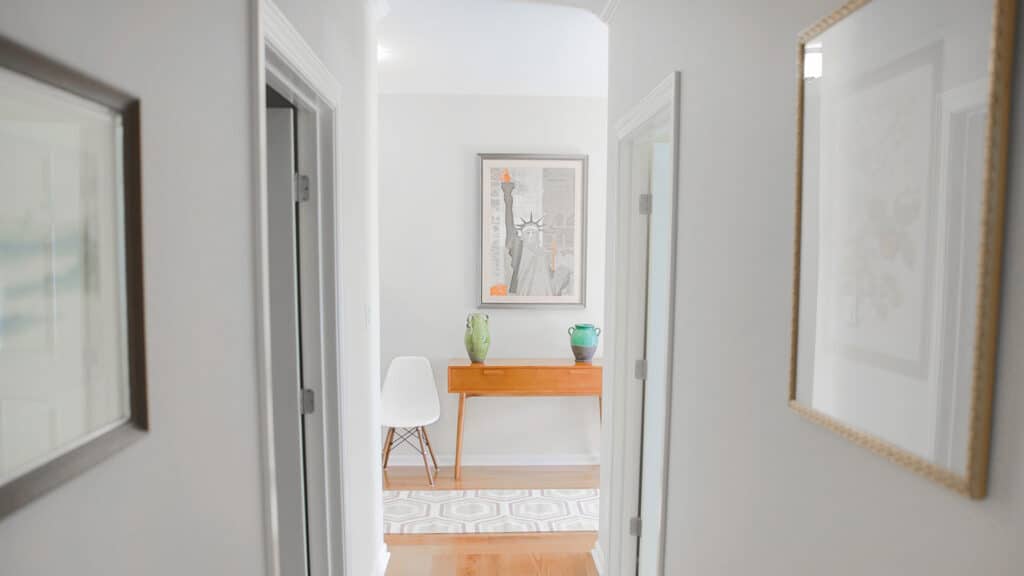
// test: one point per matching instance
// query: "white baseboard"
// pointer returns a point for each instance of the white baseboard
(383, 557)
(413, 459)
(598, 557)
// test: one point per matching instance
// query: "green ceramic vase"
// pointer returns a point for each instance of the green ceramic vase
(583, 338)
(478, 337)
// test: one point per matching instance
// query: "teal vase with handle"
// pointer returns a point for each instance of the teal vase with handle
(478, 337)
(584, 338)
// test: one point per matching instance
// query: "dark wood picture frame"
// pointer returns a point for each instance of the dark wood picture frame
(36, 482)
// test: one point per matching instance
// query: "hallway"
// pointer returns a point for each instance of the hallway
(743, 280)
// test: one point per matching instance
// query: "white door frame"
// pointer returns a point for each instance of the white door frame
(285, 61)
(624, 429)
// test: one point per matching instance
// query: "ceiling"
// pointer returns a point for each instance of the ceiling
(494, 47)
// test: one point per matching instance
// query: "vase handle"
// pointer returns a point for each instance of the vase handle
(597, 331)
(571, 330)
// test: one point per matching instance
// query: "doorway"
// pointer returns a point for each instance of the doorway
(641, 311)
(294, 316)
(299, 327)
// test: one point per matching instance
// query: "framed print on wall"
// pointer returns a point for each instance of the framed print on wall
(533, 230)
(72, 356)
(903, 122)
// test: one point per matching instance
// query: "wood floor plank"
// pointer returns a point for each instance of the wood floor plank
(495, 543)
(410, 562)
(493, 477)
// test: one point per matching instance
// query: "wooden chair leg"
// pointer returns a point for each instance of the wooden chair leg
(429, 447)
(387, 446)
(423, 452)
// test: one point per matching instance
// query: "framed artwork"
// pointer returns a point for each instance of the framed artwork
(903, 119)
(533, 230)
(72, 353)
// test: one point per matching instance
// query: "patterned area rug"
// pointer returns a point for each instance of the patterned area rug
(488, 511)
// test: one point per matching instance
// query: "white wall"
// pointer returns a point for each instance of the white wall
(430, 250)
(753, 488)
(187, 498)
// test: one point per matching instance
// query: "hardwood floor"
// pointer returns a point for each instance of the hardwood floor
(493, 477)
(559, 554)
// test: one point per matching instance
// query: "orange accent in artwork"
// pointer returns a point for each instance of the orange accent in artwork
(505, 176)
(499, 290)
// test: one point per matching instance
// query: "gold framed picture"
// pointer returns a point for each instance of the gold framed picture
(903, 121)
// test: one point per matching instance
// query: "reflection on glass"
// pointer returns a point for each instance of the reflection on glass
(893, 151)
(63, 357)
(813, 61)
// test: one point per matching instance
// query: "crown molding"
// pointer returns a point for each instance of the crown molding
(280, 35)
(609, 10)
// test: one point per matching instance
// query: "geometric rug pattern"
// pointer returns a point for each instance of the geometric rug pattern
(489, 511)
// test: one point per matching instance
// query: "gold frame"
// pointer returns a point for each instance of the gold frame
(974, 484)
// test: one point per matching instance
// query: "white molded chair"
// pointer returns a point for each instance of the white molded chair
(409, 403)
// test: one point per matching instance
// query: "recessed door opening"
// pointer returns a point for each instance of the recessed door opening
(644, 322)
(493, 225)
(300, 328)
(284, 227)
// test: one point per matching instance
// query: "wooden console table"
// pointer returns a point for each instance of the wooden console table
(549, 377)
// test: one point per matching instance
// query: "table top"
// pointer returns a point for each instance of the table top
(521, 362)
(525, 377)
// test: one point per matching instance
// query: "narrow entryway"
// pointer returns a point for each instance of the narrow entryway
(284, 247)
(492, 156)
(299, 332)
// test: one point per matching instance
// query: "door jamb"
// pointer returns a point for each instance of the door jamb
(622, 434)
(282, 57)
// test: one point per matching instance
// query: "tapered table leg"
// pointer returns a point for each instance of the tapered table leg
(458, 437)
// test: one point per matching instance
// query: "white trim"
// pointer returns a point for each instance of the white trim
(383, 557)
(608, 12)
(262, 301)
(315, 121)
(597, 555)
(413, 459)
(660, 97)
(622, 434)
(286, 41)
(282, 57)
